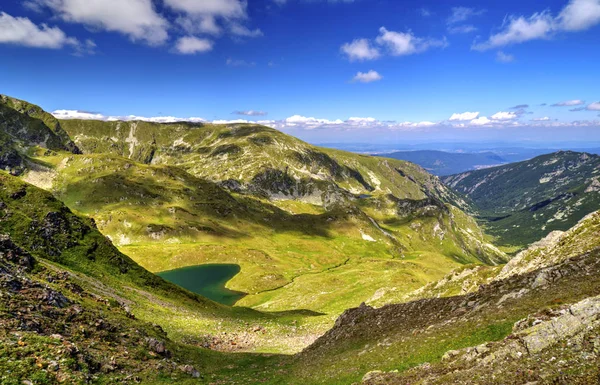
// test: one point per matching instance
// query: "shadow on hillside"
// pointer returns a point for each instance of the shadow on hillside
(190, 203)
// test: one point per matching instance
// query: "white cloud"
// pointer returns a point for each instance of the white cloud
(580, 15)
(367, 77)
(235, 121)
(405, 43)
(504, 116)
(520, 29)
(207, 16)
(190, 45)
(569, 103)
(222, 8)
(465, 116)
(360, 49)
(481, 121)
(75, 114)
(134, 18)
(504, 57)
(199, 25)
(594, 107)
(577, 15)
(364, 122)
(544, 119)
(241, 30)
(460, 14)
(22, 31)
(312, 122)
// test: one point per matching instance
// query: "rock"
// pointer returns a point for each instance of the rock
(372, 375)
(157, 346)
(19, 194)
(53, 366)
(54, 298)
(189, 369)
(12, 253)
(450, 355)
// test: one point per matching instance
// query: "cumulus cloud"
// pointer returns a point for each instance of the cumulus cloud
(518, 30)
(481, 121)
(577, 15)
(520, 107)
(303, 120)
(498, 121)
(83, 115)
(209, 16)
(136, 19)
(190, 45)
(367, 77)
(250, 113)
(241, 30)
(222, 8)
(406, 43)
(465, 116)
(22, 31)
(360, 49)
(594, 106)
(394, 43)
(76, 114)
(569, 103)
(504, 116)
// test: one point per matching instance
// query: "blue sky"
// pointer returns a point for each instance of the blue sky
(323, 70)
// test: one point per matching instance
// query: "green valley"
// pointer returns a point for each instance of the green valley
(522, 202)
(340, 267)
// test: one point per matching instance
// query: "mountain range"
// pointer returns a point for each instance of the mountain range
(353, 268)
(523, 202)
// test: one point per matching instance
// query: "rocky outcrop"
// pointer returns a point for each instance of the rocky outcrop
(390, 328)
(539, 350)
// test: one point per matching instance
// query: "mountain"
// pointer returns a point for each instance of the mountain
(75, 309)
(23, 127)
(311, 228)
(447, 163)
(315, 232)
(523, 202)
(524, 323)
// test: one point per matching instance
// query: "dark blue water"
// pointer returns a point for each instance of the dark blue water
(207, 280)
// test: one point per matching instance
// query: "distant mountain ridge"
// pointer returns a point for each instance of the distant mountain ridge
(446, 163)
(522, 202)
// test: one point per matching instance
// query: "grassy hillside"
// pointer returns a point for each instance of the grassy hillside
(311, 228)
(165, 218)
(523, 202)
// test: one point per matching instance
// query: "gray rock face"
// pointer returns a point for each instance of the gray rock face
(573, 320)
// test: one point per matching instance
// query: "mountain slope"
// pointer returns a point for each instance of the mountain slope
(525, 201)
(506, 330)
(295, 217)
(74, 309)
(25, 128)
(447, 163)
